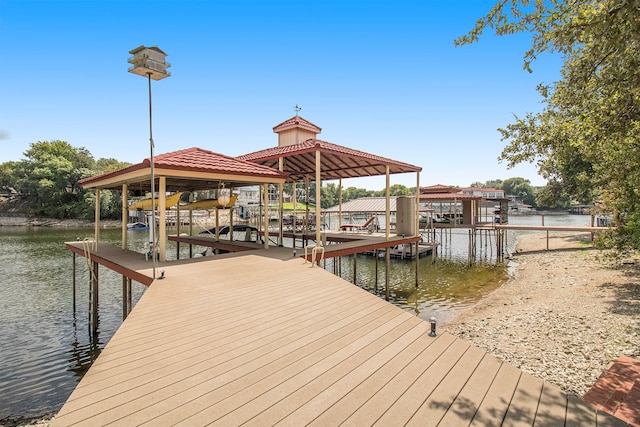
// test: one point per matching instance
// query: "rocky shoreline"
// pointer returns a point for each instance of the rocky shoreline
(565, 316)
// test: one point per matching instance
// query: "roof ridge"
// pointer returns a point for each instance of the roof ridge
(300, 122)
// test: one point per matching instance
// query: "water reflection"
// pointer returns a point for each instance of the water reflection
(444, 288)
(46, 346)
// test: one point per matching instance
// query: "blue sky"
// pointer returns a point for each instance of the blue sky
(378, 76)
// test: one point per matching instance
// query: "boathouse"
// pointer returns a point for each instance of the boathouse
(261, 337)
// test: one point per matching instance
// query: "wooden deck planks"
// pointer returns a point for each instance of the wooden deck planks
(436, 406)
(227, 345)
(263, 338)
(465, 405)
(313, 397)
(395, 394)
(524, 404)
(338, 391)
(552, 406)
(496, 402)
(579, 413)
(128, 402)
(352, 400)
(218, 402)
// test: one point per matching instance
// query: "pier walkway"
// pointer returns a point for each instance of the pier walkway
(261, 338)
(335, 244)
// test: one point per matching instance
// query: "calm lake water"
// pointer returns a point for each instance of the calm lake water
(46, 346)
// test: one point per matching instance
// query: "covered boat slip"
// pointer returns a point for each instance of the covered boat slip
(262, 338)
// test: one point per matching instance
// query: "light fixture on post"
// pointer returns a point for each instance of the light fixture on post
(223, 195)
(150, 62)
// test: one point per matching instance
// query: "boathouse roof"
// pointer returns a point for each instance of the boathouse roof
(438, 188)
(188, 170)
(336, 161)
(368, 204)
(444, 193)
(443, 197)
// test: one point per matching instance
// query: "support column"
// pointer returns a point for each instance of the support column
(318, 185)
(387, 210)
(162, 207)
(190, 232)
(96, 231)
(375, 285)
(387, 259)
(306, 213)
(125, 215)
(294, 223)
(340, 204)
(74, 284)
(217, 211)
(178, 221)
(417, 263)
(418, 229)
(124, 297)
(266, 215)
(280, 204)
(355, 269)
(93, 298)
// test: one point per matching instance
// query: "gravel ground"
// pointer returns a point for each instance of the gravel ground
(564, 316)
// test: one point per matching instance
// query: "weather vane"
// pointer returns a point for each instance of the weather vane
(297, 109)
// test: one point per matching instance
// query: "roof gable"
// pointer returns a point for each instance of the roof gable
(297, 121)
(336, 161)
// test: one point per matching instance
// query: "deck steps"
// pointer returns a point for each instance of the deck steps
(617, 391)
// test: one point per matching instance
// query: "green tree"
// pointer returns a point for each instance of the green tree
(493, 183)
(351, 193)
(9, 175)
(108, 165)
(520, 187)
(328, 195)
(399, 190)
(395, 190)
(586, 140)
(47, 178)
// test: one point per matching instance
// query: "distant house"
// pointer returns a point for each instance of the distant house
(485, 193)
(467, 206)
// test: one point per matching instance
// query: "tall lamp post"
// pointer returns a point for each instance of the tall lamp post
(150, 62)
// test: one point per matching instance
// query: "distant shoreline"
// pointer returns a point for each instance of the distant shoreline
(24, 221)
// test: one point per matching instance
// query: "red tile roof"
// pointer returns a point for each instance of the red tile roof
(205, 160)
(189, 160)
(297, 121)
(336, 161)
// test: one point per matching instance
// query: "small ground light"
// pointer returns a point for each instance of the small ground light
(294, 253)
(432, 332)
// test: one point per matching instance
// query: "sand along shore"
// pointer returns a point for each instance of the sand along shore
(565, 314)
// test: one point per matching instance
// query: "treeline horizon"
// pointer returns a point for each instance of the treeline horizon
(46, 180)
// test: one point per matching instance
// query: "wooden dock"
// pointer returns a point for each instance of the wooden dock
(335, 245)
(261, 338)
